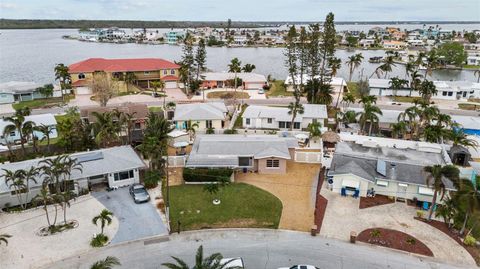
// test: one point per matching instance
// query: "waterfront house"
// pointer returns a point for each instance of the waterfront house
(146, 70)
(367, 43)
(250, 81)
(389, 167)
(338, 84)
(278, 118)
(114, 167)
(172, 37)
(265, 154)
(40, 119)
(473, 60)
(16, 91)
(205, 115)
(394, 45)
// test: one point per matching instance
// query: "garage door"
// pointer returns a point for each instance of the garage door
(351, 183)
(171, 85)
(83, 90)
(254, 86)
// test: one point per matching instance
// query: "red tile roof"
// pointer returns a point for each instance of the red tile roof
(121, 65)
(170, 78)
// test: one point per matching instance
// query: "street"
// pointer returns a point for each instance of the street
(266, 249)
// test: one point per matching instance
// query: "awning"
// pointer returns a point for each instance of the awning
(180, 144)
(352, 183)
(176, 133)
(425, 191)
(382, 183)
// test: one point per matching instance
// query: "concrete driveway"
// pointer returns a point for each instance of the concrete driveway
(136, 220)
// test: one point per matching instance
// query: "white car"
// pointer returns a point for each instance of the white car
(261, 91)
(233, 263)
(300, 266)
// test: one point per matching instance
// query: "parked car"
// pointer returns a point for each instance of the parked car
(300, 266)
(261, 91)
(139, 193)
(233, 263)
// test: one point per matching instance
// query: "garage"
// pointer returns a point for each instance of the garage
(351, 187)
(83, 90)
(254, 85)
(171, 85)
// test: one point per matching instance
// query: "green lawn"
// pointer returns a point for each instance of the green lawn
(39, 103)
(405, 99)
(155, 109)
(278, 89)
(467, 106)
(242, 206)
(353, 88)
(228, 95)
(239, 120)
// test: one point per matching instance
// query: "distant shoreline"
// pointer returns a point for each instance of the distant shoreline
(77, 24)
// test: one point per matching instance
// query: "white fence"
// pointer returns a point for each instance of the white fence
(177, 161)
(308, 157)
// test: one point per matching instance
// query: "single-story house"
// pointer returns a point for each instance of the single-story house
(116, 166)
(382, 87)
(358, 169)
(16, 91)
(338, 84)
(205, 115)
(269, 117)
(40, 119)
(250, 81)
(394, 45)
(265, 154)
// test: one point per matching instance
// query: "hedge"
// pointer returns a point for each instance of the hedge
(206, 174)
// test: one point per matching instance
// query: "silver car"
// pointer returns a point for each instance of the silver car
(139, 193)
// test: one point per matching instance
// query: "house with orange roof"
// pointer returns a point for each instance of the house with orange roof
(144, 71)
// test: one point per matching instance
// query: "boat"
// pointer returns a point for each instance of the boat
(376, 59)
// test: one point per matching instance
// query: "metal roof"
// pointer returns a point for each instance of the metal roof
(45, 119)
(18, 87)
(281, 113)
(200, 111)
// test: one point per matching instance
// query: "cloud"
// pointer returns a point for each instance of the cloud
(8, 6)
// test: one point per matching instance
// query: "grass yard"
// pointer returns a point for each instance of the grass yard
(228, 95)
(239, 120)
(405, 99)
(242, 206)
(278, 89)
(353, 88)
(155, 109)
(469, 106)
(40, 103)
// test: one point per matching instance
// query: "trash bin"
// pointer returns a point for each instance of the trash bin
(353, 237)
(313, 231)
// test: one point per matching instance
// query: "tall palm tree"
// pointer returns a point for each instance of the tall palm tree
(3, 238)
(372, 99)
(468, 199)
(397, 84)
(105, 128)
(432, 63)
(191, 129)
(248, 68)
(427, 89)
(458, 137)
(415, 81)
(62, 74)
(324, 94)
(129, 79)
(30, 174)
(314, 130)
(235, 66)
(398, 129)
(369, 114)
(17, 123)
(409, 68)
(334, 64)
(155, 140)
(108, 263)
(353, 63)
(294, 108)
(46, 131)
(435, 180)
(16, 180)
(211, 262)
(105, 218)
(159, 84)
(128, 119)
(348, 99)
(44, 198)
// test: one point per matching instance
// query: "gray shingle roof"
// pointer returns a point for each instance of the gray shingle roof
(223, 76)
(46, 119)
(18, 87)
(281, 113)
(200, 111)
(112, 160)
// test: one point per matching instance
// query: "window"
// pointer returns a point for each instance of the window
(425, 191)
(281, 125)
(172, 72)
(244, 161)
(208, 124)
(382, 183)
(116, 75)
(22, 190)
(296, 125)
(146, 73)
(273, 163)
(269, 120)
(450, 93)
(165, 71)
(444, 93)
(123, 175)
(247, 121)
(288, 124)
(137, 126)
(81, 76)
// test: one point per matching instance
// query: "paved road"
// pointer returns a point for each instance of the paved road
(260, 249)
(136, 220)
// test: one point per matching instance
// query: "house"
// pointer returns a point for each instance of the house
(205, 115)
(40, 119)
(115, 167)
(379, 31)
(138, 111)
(415, 42)
(265, 154)
(268, 117)
(173, 37)
(91, 35)
(367, 43)
(250, 81)
(114, 33)
(394, 45)
(390, 167)
(16, 91)
(473, 60)
(338, 84)
(146, 70)
(382, 87)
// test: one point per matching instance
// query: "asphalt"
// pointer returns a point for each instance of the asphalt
(260, 249)
(136, 221)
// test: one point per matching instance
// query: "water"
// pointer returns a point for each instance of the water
(31, 55)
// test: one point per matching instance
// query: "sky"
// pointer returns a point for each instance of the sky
(244, 10)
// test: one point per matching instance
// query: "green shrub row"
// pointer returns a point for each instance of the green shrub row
(206, 174)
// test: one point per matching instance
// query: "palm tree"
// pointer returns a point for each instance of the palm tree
(348, 99)
(354, 62)
(62, 74)
(415, 81)
(294, 108)
(46, 131)
(211, 262)
(435, 180)
(191, 128)
(314, 130)
(372, 99)
(129, 78)
(29, 174)
(248, 68)
(468, 200)
(155, 140)
(28, 130)
(409, 68)
(458, 137)
(108, 263)
(3, 238)
(235, 66)
(16, 180)
(369, 114)
(398, 129)
(397, 84)
(432, 63)
(106, 130)
(324, 95)
(44, 198)
(334, 64)
(105, 218)
(159, 84)
(427, 89)
(17, 123)
(128, 119)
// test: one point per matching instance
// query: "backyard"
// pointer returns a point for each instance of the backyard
(242, 206)
(227, 95)
(278, 89)
(41, 103)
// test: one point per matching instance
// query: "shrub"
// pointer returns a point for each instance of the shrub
(99, 241)
(230, 131)
(151, 179)
(210, 131)
(469, 240)
(375, 233)
(411, 241)
(161, 206)
(266, 87)
(206, 174)
(420, 214)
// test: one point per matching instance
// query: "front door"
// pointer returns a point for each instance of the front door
(402, 192)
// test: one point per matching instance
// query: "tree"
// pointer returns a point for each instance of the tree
(248, 68)
(44, 198)
(294, 108)
(352, 41)
(452, 53)
(159, 84)
(397, 84)
(103, 87)
(108, 263)
(458, 137)
(399, 129)
(105, 218)
(201, 57)
(62, 74)
(314, 130)
(191, 128)
(291, 63)
(211, 262)
(434, 180)
(29, 174)
(154, 146)
(46, 131)
(369, 114)
(17, 123)
(46, 90)
(353, 63)
(468, 200)
(15, 180)
(235, 66)
(106, 130)
(129, 79)
(3, 238)
(385, 67)
(426, 90)
(188, 60)
(348, 99)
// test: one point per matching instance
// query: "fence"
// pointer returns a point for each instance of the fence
(308, 157)
(177, 161)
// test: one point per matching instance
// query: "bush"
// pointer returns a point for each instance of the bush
(411, 241)
(151, 179)
(420, 214)
(206, 174)
(375, 233)
(266, 87)
(230, 131)
(469, 240)
(210, 131)
(99, 241)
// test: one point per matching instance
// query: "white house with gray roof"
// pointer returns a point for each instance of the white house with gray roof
(38, 120)
(250, 81)
(387, 168)
(269, 117)
(17, 91)
(265, 154)
(115, 167)
(205, 115)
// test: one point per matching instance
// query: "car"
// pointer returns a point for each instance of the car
(300, 266)
(261, 91)
(236, 263)
(139, 193)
